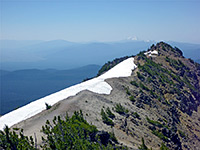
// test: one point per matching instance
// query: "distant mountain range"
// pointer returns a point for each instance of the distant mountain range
(149, 101)
(61, 54)
(23, 86)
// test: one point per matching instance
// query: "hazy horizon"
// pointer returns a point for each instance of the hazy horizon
(100, 21)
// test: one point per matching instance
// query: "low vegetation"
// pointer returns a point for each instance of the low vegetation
(106, 119)
(132, 99)
(134, 83)
(47, 106)
(141, 77)
(160, 135)
(155, 123)
(135, 115)
(15, 140)
(164, 147)
(128, 92)
(143, 146)
(69, 133)
(109, 113)
(72, 133)
(182, 134)
(143, 87)
(120, 109)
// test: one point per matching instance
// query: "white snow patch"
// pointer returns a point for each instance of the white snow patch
(97, 85)
(154, 52)
(151, 53)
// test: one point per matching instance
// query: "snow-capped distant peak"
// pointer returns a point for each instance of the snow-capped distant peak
(132, 38)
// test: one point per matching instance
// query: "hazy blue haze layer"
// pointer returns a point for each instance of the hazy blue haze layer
(23, 86)
(61, 54)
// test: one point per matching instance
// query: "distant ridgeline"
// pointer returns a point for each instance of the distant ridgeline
(158, 105)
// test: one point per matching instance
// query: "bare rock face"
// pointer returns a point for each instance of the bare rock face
(159, 102)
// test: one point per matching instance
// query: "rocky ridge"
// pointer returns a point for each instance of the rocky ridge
(159, 102)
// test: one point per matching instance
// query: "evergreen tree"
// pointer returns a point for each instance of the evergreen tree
(143, 146)
(11, 140)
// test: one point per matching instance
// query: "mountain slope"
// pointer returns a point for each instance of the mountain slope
(97, 85)
(158, 102)
(24, 86)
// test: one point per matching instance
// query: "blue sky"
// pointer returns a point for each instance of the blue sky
(101, 20)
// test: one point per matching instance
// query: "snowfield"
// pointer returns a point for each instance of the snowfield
(151, 53)
(97, 85)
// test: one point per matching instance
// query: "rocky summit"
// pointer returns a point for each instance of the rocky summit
(157, 107)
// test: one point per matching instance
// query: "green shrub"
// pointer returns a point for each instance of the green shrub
(68, 133)
(143, 146)
(109, 113)
(105, 118)
(120, 109)
(159, 98)
(112, 137)
(164, 147)
(13, 140)
(144, 87)
(134, 83)
(149, 79)
(132, 99)
(160, 135)
(177, 64)
(128, 92)
(182, 134)
(73, 133)
(152, 93)
(156, 123)
(141, 77)
(47, 106)
(136, 115)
